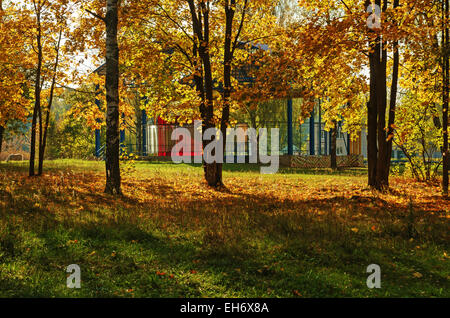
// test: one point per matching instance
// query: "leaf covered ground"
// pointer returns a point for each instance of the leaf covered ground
(299, 233)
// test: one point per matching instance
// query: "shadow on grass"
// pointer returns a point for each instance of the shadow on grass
(238, 245)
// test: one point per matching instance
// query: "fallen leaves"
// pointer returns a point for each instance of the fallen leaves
(417, 275)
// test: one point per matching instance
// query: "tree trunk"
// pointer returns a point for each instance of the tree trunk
(43, 140)
(227, 58)
(200, 23)
(37, 95)
(381, 99)
(2, 130)
(372, 149)
(445, 152)
(333, 143)
(379, 140)
(392, 106)
(385, 140)
(112, 100)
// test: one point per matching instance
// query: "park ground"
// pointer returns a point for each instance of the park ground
(298, 233)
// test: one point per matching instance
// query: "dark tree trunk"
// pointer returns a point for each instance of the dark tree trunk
(392, 106)
(380, 182)
(372, 114)
(200, 22)
(446, 66)
(112, 100)
(333, 143)
(227, 59)
(43, 140)
(379, 139)
(387, 140)
(2, 130)
(199, 86)
(37, 95)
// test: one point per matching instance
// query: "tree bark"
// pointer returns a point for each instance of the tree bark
(43, 140)
(333, 143)
(37, 93)
(392, 105)
(446, 66)
(200, 22)
(372, 114)
(380, 181)
(227, 59)
(386, 145)
(379, 140)
(112, 100)
(2, 130)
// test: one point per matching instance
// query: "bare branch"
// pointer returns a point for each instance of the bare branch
(95, 15)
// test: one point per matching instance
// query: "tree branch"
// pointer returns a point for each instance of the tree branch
(95, 15)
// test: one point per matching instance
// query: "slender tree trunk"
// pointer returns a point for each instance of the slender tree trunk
(392, 104)
(392, 107)
(112, 100)
(372, 114)
(333, 143)
(228, 56)
(381, 98)
(43, 140)
(212, 173)
(37, 95)
(2, 130)
(199, 86)
(200, 23)
(446, 75)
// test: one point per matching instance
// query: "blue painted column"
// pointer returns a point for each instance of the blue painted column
(97, 131)
(144, 133)
(325, 137)
(289, 128)
(320, 129)
(122, 136)
(97, 143)
(311, 134)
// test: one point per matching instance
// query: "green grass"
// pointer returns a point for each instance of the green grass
(299, 233)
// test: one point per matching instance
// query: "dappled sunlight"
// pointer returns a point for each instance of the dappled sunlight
(280, 235)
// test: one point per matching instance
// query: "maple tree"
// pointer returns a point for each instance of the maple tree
(46, 23)
(423, 78)
(13, 65)
(186, 64)
(339, 39)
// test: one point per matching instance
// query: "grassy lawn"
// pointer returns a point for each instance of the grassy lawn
(294, 234)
